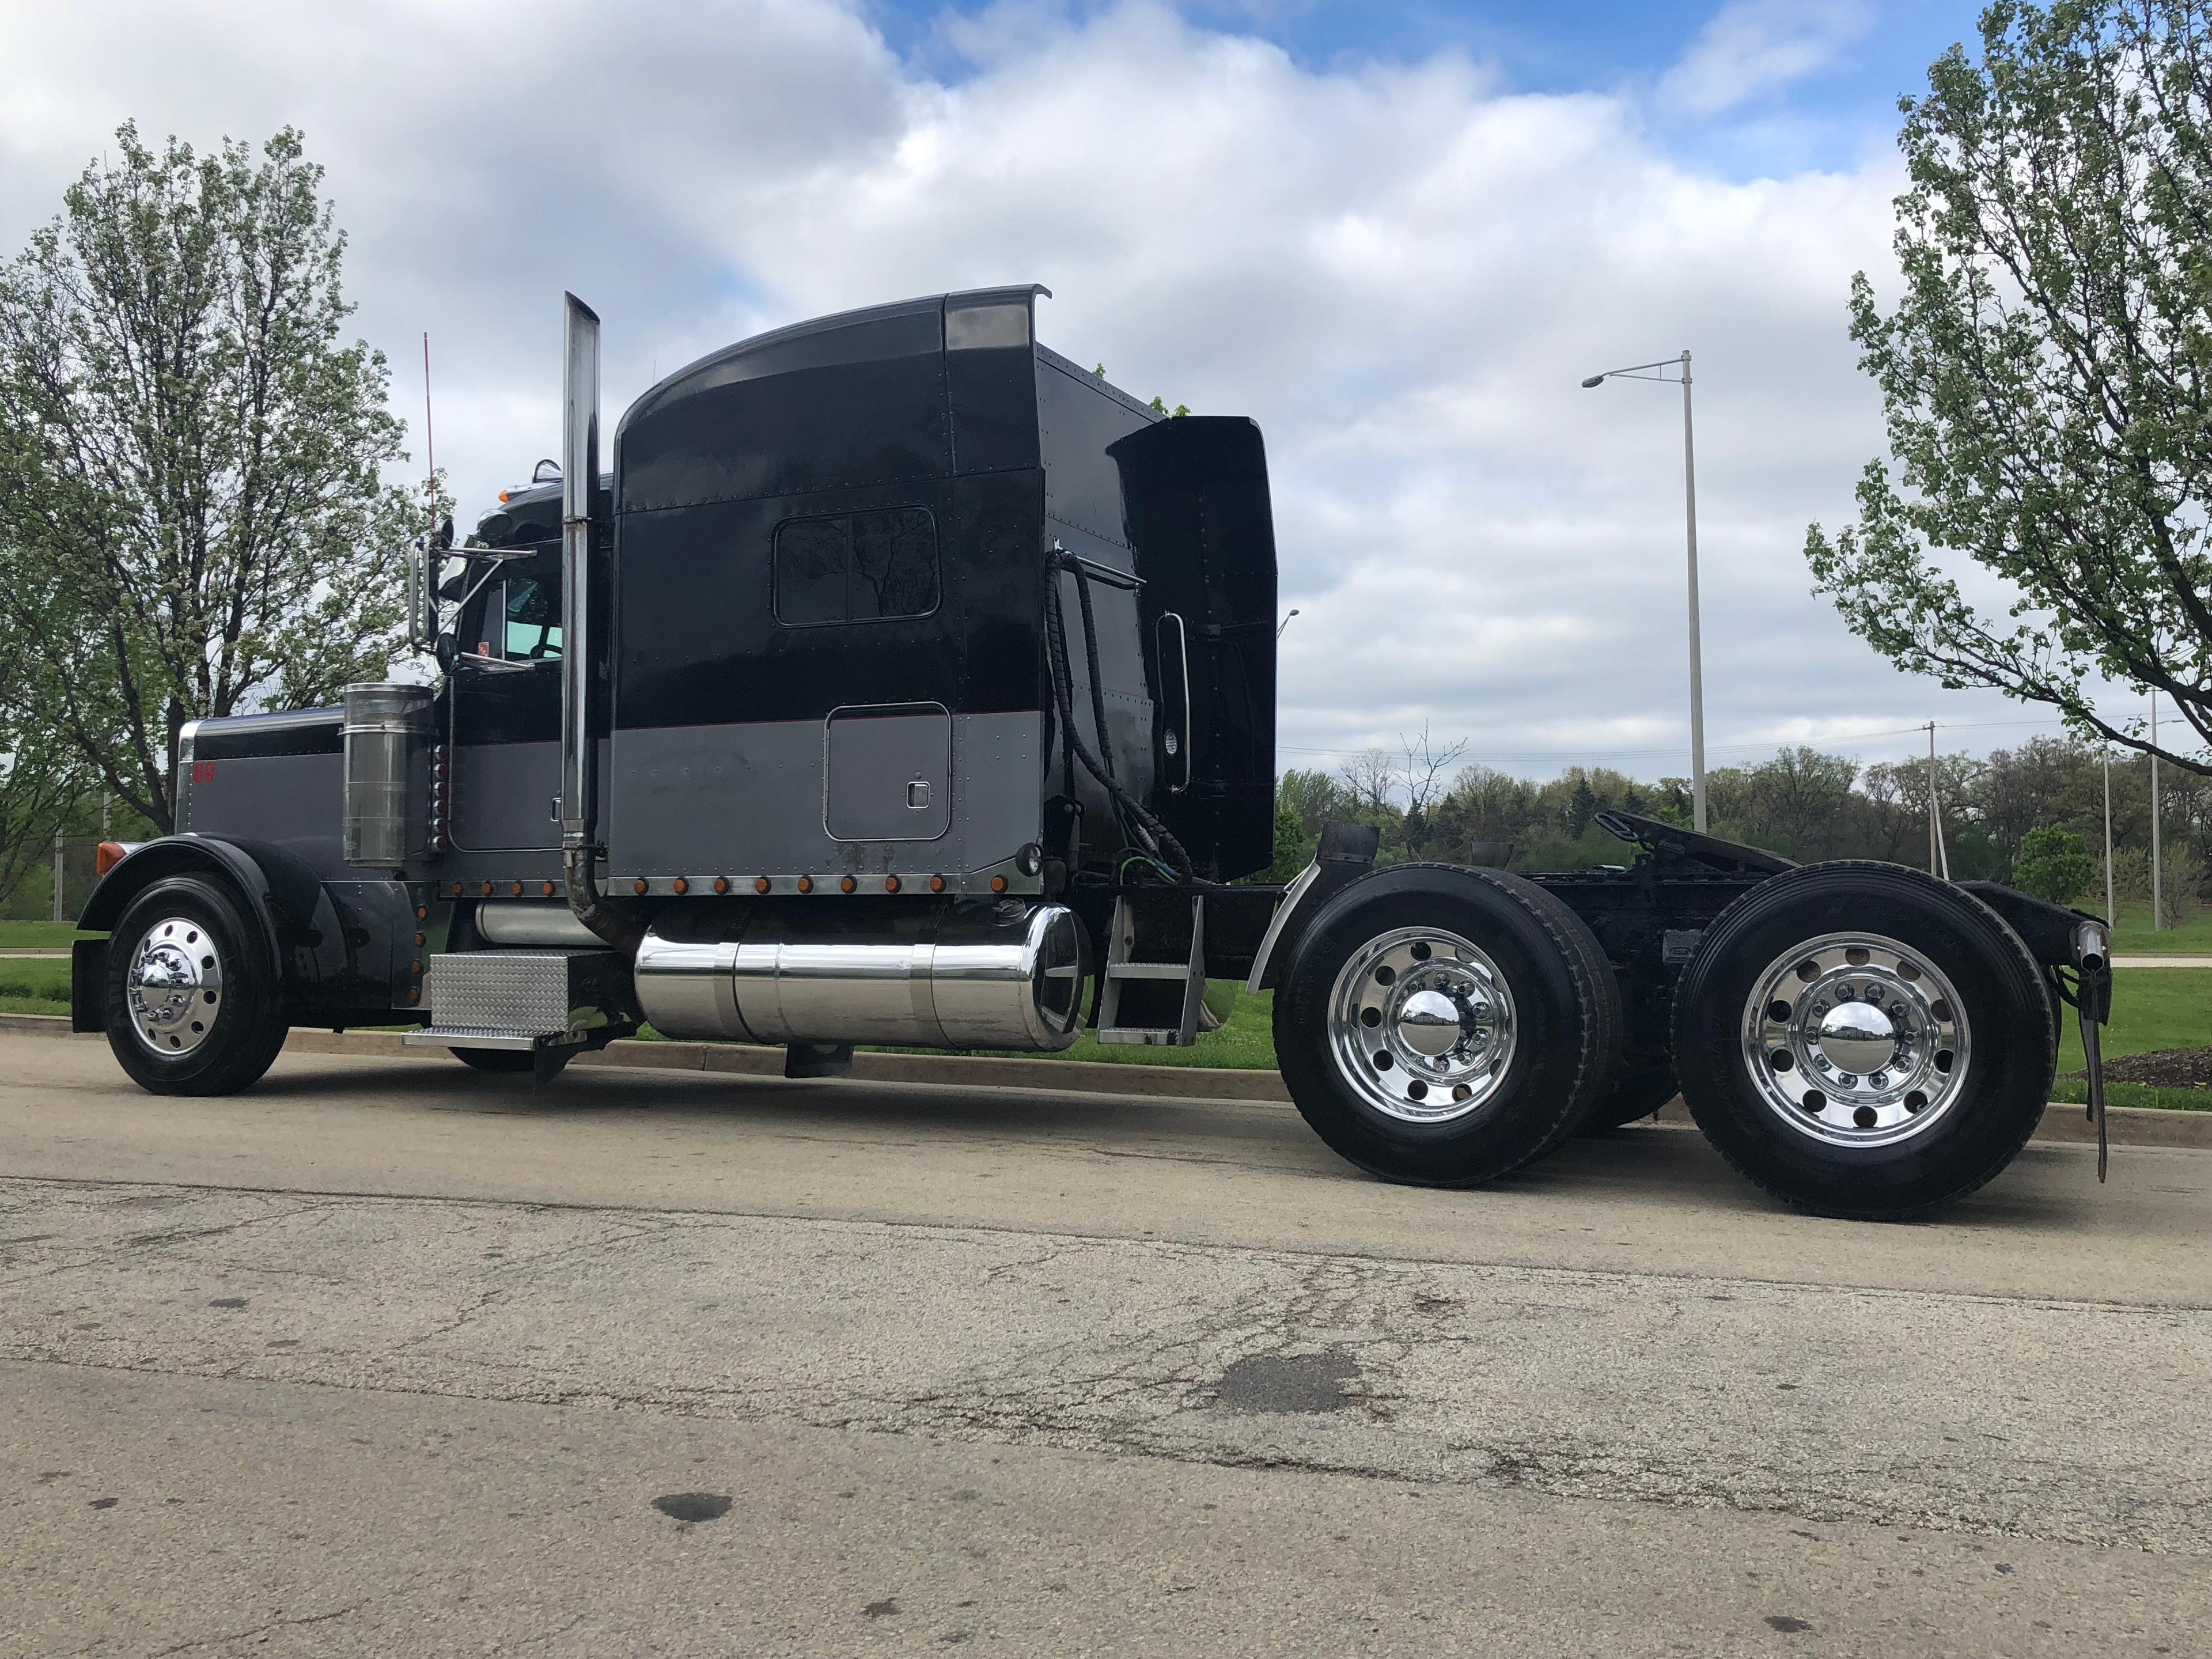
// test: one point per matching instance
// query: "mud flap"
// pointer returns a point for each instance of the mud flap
(2093, 1002)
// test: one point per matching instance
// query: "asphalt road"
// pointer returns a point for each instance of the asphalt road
(385, 1357)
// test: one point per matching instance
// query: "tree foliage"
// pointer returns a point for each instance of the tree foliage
(192, 519)
(1807, 805)
(2046, 372)
(2054, 864)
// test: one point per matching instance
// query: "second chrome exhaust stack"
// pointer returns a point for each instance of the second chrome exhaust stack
(579, 753)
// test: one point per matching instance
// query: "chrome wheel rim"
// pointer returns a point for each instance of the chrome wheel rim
(174, 988)
(1855, 1040)
(1421, 1025)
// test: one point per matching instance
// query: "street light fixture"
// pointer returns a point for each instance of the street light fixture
(1646, 372)
(1284, 624)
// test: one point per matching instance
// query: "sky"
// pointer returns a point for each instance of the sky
(1396, 235)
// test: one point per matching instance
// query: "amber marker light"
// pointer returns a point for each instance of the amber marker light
(761, 884)
(846, 884)
(414, 993)
(107, 857)
(547, 890)
(890, 884)
(805, 884)
(721, 884)
(457, 889)
(937, 884)
(639, 885)
(998, 883)
(681, 885)
(518, 889)
(421, 912)
(487, 890)
(419, 941)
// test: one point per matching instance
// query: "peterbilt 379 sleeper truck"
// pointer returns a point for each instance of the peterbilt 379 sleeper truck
(903, 684)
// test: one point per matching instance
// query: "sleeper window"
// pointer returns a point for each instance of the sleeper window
(856, 567)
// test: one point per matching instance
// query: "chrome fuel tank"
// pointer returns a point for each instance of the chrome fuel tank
(993, 975)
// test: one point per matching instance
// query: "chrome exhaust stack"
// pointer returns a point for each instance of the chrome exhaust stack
(1007, 974)
(580, 752)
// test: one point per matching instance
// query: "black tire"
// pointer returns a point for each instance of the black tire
(1565, 1021)
(1636, 1091)
(1979, 1108)
(220, 1025)
(506, 1062)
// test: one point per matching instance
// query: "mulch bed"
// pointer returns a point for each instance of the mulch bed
(2163, 1068)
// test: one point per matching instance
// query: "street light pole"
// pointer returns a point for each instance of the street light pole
(1696, 648)
(1638, 371)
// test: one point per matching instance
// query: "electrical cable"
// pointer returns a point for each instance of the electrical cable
(1139, 824)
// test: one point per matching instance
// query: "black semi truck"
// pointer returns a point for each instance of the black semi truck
(902, 682)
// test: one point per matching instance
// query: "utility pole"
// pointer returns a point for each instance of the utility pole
(58, 915)
(1934, 823)
(2157, 852)
(2111, 909)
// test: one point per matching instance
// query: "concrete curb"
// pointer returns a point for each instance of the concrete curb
(2132, 1126)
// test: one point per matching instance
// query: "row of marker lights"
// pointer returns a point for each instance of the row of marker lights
(804, 884)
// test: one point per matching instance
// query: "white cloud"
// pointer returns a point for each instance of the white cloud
(1754, 46)
(1400, 271)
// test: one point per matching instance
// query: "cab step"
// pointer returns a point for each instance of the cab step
(1155, 983)
(524, 1000)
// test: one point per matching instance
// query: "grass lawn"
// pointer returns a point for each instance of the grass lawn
(2152, 1008)
(34, 985)
(38, 935)
(2132, 935)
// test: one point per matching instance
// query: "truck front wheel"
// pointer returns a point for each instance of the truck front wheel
(193, 1006)
(1864, 1041)
(1441, 1025)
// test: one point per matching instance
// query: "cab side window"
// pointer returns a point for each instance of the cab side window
(533, 612)
(856, 567)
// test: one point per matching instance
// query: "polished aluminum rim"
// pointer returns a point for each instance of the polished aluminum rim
(1855, 1040)
(1421, 1024)
(175, 987)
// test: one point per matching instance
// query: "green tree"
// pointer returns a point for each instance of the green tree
(1294, 847)
(2054, 864)
(2046, 372)
(192, 517)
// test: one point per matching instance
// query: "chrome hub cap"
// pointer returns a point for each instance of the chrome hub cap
(1855, 1040)
(1421, 1025)
(174, 989)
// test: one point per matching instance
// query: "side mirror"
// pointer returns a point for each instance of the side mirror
(446, 649)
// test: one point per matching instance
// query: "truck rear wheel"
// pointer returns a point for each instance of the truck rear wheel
(193, 1006)
(1443, 1026)
(1863, 1040)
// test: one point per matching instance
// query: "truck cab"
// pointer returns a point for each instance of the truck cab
(903, 633)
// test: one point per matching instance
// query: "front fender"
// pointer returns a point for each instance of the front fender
(178, 855)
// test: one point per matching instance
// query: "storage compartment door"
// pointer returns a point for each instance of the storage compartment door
(887, 773)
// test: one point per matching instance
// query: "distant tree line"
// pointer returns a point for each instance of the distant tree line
(1803, 804)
